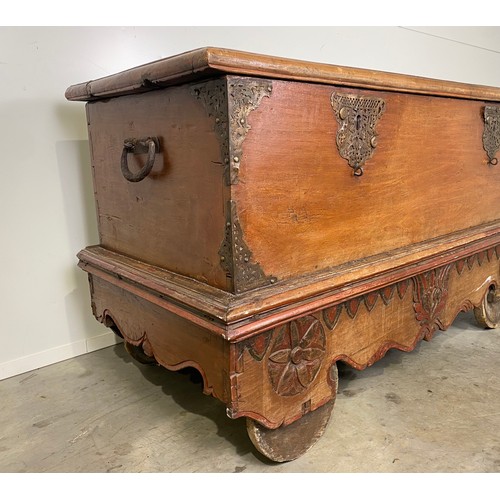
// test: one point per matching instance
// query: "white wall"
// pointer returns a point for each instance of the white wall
(47, 208)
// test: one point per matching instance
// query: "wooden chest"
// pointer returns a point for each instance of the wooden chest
(261, 219)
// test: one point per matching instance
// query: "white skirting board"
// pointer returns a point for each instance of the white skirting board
(57, 354)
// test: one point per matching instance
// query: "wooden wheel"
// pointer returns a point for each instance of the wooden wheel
(138, 354)
(291, 441)
(488, 312)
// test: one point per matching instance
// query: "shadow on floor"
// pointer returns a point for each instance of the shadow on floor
(185, 388)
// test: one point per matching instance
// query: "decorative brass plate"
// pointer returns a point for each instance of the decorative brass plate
(236, 257)
(230, 101)
(491, 133)
(244, 95)
(356, 137)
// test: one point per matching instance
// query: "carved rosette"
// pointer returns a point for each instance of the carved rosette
(357, 117)
(296, 355)
(245, 95)
(430, 295)
(491, 133)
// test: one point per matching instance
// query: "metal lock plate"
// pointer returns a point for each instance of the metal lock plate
(357, 117)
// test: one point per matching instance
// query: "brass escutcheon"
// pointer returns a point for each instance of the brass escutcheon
(357, 117)
(491, 133)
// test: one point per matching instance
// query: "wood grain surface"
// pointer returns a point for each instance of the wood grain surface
(302, 210)
(174, 342)
(174, 218)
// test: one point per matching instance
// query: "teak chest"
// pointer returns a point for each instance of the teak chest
(261, 219)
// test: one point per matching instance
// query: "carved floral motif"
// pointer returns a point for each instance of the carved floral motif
(296, 355)
(430, 295)
(295, 352)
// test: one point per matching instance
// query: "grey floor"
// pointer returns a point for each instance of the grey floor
(436, 409)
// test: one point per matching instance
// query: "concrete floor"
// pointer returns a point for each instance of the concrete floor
(436, 409)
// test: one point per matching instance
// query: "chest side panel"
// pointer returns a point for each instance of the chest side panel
(175, 217)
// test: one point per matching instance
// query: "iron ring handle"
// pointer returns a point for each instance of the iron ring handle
(149, 145)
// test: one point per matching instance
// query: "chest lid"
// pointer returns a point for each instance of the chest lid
(208, 62)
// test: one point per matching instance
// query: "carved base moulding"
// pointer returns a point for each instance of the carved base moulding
(277, 376)
(261, 219)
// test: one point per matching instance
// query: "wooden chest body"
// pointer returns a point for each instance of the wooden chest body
(290, 206)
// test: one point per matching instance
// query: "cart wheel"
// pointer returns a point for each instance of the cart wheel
(488, 313)
(138, 354)
(291, 441)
